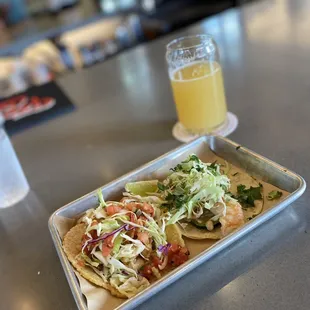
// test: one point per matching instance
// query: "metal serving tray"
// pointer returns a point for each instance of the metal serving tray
(237, 155)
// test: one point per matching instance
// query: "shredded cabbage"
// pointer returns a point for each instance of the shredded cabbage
(158, 235)
(153, 199)
(117, 243)
(120, 267)
(101, 258)
(102, 203)
(105, 226)
(100, 213)
(177, 216)
(130, 250)
(193, 185)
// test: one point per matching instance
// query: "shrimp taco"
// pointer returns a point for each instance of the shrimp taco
(207, 203)
(124, 246)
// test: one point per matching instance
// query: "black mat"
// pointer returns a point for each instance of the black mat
(34, 106)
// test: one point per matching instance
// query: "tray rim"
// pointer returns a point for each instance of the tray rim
(195, 261)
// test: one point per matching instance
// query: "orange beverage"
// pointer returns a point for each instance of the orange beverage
(199, 95)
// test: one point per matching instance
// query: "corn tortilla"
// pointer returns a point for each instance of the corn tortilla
(72, 248)
(192, 232)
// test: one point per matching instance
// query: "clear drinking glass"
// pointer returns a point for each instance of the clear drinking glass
(13, 183)
(197, 83)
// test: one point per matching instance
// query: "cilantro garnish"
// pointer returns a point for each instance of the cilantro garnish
(161, 186)
(274, 195)
(247, 196)
(213, 168)
(194, 157)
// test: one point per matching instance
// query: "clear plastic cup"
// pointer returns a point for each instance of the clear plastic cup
(13, 183)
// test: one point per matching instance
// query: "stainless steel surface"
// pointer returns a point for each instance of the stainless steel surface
(124, 118)
(228, 150)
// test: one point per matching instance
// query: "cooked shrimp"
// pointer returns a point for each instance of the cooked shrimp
(144, 237)
(233, 219)
(147, 208)
(131, 206)
(113, 209)
(143, 206)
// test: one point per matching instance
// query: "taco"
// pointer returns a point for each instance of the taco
(205, 202)
(124, 246)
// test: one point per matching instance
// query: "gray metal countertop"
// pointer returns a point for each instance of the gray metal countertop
(124, 118)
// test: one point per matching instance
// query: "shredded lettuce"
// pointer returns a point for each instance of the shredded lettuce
(117, 265)
(211, 194)
(100, 213)
(193, 185)
(108, 225)
(177, 216)
(130, 250)
(117, 244)
(155, 231)
(105, 226)
(153, 199)
(102, 203)
(101, 258)
(121, 216)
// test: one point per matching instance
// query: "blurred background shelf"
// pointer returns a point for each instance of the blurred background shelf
(34, 19)
(42, 39)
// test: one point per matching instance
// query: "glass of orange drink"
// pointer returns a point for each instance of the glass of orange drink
(197, 83)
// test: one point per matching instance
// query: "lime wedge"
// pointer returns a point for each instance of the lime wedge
(142, 188)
